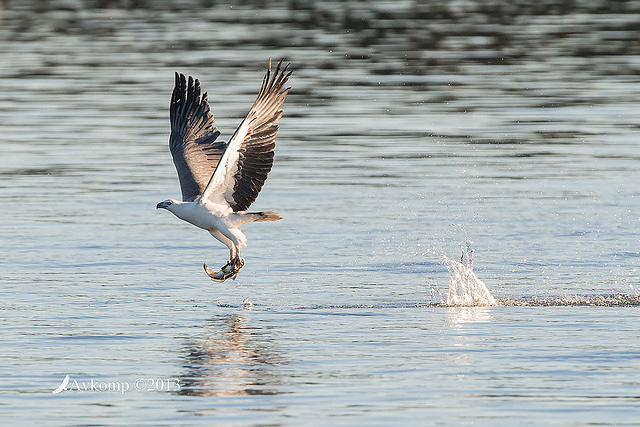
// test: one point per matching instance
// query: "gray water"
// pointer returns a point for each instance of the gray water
(410, 128)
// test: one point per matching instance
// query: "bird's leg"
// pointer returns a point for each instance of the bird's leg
(232, 257)
(237, 265)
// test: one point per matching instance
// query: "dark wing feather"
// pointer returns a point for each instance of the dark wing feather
(255, 154)
(193, 137)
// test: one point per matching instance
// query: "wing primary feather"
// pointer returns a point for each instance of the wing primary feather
(192, 143)
(243, 169)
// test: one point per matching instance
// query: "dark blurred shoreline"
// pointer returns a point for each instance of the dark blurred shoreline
(411, 37)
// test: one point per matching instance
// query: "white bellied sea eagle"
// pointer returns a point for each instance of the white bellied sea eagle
(220, 180)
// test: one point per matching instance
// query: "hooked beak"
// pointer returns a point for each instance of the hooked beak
(161, 205)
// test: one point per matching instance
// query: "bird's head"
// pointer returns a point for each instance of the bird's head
(168, 204)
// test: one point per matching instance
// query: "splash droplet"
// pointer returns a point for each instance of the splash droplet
(465, 288)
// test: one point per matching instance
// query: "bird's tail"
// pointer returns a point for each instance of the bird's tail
(262, 216)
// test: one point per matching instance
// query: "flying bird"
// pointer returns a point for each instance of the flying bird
(220, 180)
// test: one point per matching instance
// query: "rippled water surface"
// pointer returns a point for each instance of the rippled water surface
(411, 128)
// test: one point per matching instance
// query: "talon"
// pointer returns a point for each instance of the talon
(227, 268)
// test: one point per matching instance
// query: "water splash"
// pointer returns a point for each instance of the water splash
(247, 304)
(465, 289)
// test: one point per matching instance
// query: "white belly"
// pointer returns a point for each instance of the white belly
(208, 217)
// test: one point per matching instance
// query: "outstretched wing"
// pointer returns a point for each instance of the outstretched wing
(248, 157)
(193, 137)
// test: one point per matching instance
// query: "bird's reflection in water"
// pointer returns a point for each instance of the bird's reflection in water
(232, 358)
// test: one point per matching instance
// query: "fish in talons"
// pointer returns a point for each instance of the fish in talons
(228, 271)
